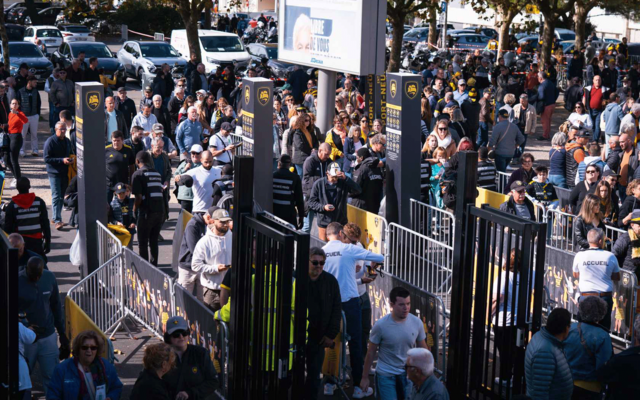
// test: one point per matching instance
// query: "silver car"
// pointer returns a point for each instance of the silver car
(141, 59)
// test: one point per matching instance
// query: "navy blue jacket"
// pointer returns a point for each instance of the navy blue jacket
(547, 93)
(55, 150)
(40, 301)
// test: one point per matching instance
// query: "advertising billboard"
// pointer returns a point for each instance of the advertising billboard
(336, 35)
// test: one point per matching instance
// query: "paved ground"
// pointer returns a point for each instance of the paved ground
(130, 351)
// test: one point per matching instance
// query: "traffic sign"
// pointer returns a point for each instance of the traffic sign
(443, 6)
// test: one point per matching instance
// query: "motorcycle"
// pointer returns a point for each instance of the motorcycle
(254, 35)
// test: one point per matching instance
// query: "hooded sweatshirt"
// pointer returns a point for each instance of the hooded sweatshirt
(27, 215)
(612, 116)
(210, 252)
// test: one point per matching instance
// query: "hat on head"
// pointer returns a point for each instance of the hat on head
(176, 323)
(196, 148)
(334, 168)
(462, 82)
(285, 159)
(157, 128)
(635, 216)
(226, 126)
(584, 134)
(503, 113)
(148, 89)
(24, 66)
(122, 89)
(517, 185)
(610, 172)
(626, 79)
(442, 116)
(202, 92)
(301, 109)
(221, 215)
(120, 188)
(488, 90)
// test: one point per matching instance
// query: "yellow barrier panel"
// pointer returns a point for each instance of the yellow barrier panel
(331, 363)
(371, 226)
(494, 199)
(77, 321)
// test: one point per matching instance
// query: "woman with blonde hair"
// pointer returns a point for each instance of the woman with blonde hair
(445, 140)
(630, 203)
(201, 107)
(303, 141)
(158, 359)
(430, 147)
(219, 112)
(590, 217)
(352, 143)
(336, 137)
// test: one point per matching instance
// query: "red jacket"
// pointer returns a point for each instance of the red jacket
(16, 121)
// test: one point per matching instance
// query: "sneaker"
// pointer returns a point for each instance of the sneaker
(59, 226)
(329, 388)
(13, 183)
(359, 394)
(35, 154)
(505, 383)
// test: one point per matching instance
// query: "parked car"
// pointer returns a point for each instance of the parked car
(49, 35)
(9, 11)
(140, 58)
(258, 51)
(106, 59)
(76, 33)
(15, 32)
(48, 16)
(24, 52)
(481, 30)
(612, 41)
(416, 35)
(217, 48)
(470, 41)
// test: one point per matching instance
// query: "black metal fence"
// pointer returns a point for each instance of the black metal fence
(9, 375)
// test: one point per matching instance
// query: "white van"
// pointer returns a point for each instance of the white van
(217, 48)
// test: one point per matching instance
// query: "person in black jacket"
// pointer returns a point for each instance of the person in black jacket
(27, 215)
(590, 217)
(288, 201)
(194, 376)
(303, 141)
(369, 177)
(525, 173)
(583, 188)
(198, 79)
(71, 201)
(329, 198)
(162, 115)
(632, 202)
(624, 247)
(614, 153)
(224, 184)
(126, 106)
(325, 314)
(314, 168)
(518, 204)
(111, 112)
(189, 70)
(159, 84)
(158, 360)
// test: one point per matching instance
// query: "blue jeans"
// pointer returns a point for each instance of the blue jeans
(59, 185)
(520, 149)
(595, 118)
(502, 162)
(483, 134)
(45, 352)
(558, 181)
(392, 387)
(299, 169)
(353, 315)
(308, 221)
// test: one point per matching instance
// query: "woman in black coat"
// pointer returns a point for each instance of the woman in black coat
(158, 360)
(590, 218)
(350, 147)
(301, 145)
(632, 202)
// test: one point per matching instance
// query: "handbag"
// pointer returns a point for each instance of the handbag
(4, 141)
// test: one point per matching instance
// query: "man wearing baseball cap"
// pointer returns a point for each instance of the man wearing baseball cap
(126, 106)
(212, 257)
(518, 204)
(329, 198)
(157, 131)
(220, 145)
(288, 201)
(188, 133)
(185, 194)
(461, 94)
(194, 376)
(504, 139)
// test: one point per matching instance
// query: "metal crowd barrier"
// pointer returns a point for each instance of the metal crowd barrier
(433, 222)
(421, 261)
(502, 178)
(561, 225)
(108, 244)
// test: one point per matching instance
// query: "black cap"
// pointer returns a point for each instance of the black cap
(610, 172)
(285, 159)
(584, 134)
(120, 188)
(442, 116)
(24, 66)
(503, 113)
(226, 126)
(517, 185)
(301, 109)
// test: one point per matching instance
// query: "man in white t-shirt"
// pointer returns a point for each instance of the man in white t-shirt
(596, 269)
(221, 146)
(391, 337)
(200, 180)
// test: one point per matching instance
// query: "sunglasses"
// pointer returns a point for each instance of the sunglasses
(442, 129)
(591, 172)
(179, 333)
(315, 263)
(193, 153)
(92, 348)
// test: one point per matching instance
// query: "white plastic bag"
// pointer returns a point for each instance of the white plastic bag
(74, 252)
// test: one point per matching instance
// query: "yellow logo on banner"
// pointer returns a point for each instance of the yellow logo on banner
(263, 96)
(393, 88)
(93, 100)
(247, 95)
(532, 9)
(77, 97)
(194, 370)
(411, 89)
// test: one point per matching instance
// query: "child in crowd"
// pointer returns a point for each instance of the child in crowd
(121, 210)
(437, 170)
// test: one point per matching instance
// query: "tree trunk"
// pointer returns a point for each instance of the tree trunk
(207, 18)
(433, 22)
(547, 39)
(579, 22)
(4, 37)
(191, 27)
(396, 43)
(503, 38)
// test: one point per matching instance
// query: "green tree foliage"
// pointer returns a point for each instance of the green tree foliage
(158, 18)
(397, 12)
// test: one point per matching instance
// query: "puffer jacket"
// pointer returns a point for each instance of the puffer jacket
(546, 368)
(571, 165)
(622, 250)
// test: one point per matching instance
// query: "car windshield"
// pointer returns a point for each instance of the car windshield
(48, 33)
(24, 50)
(15, 33)
(221, 44)
(567, 36)
(77, 29)
(413, 33)
(566, 45)
(158, 50)
(92, 50)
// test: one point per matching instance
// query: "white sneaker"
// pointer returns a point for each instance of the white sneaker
(13, 183)
(329, 388)
(359, 394)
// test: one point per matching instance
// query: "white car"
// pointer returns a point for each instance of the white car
(76, 33)
(217, 48)
(50, 36)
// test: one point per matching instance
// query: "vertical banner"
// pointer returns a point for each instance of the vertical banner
(148, 292)
(381, 98)
(257, 136)
(370, 98)
(403, 146)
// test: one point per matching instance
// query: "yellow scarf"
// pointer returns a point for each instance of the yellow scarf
(635, 244)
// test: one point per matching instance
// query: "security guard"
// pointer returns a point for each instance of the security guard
(27, 215)
(119, 162)
(194, 376)
(147, 187)
(369, 177)
(223, 185)
(288, 201)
